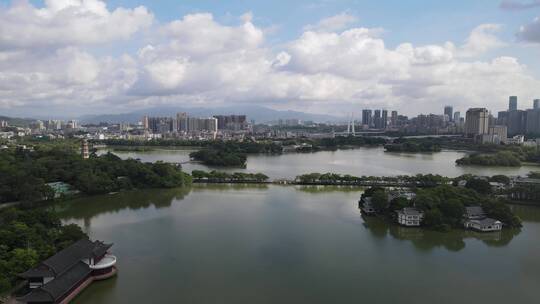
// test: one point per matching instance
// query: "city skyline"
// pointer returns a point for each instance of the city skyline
(200, 53)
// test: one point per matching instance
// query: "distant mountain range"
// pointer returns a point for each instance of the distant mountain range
(18, 122)
(257, 113)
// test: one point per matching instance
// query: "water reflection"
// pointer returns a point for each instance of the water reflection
(427, 240)
(527, 212)
(88, 207)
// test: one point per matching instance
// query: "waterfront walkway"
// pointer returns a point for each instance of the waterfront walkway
(315, 183)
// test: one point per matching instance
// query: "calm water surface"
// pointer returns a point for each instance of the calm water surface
(358, 162)
(277, 244)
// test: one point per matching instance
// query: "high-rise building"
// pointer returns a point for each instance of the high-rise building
(145, 122)
(533, 121)
(162, 125)
(377, 121)
(384, 119)
(231, 122)
(502, 118)
(181, 121)
(457, 116)
(476, 122)
(366, 118)
(516, 122)
(500, 131)
(448, 111)
(394, 118)
(512, 103)
(536, 104)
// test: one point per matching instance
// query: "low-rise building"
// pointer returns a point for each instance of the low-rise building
(474, 213)
(497, 186)
(410, 217)
(61, 277)
(62, 189)
(476, 219)
(484, 225)
(408, 195)
(366, 206)
(516, 140)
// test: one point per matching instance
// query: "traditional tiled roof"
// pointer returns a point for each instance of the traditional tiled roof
(410, 211)
(67, 268)
(486, 222)
(70, 256)
(474, 210)
(41, 271)
(57, 288)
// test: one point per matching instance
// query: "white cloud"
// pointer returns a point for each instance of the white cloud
(481, 40)
(200, 34)
(334, 23)
(196, 60)
(68, 22)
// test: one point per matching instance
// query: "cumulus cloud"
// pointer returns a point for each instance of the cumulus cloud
(518, 5)
(201, 35)
(196, 60)
(68, 22)
(334, 23)
(481, 40)
(530, 32)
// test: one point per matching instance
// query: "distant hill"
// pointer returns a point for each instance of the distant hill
(17, 122)
(257, 113)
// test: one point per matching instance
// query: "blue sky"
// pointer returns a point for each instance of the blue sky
(423, 24)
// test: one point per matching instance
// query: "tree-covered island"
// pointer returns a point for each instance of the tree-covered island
(26, 174)
(443, 207)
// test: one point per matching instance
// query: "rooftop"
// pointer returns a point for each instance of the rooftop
(486, 221)
(68, 269)
(410, 211)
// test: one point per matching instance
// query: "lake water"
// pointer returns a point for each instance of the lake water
(358, 162)
(285, 244)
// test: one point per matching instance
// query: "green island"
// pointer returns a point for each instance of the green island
(26, 174)
(28, 236)
(505, 156)
(413, 146)
(443, 206)
(420, 180)
(224, 177)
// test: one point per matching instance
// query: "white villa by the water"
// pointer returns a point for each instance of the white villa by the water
(476, 218)
(410, 217)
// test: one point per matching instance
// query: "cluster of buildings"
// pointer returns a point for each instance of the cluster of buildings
(183, 124)
(55, 128)
(509, 126)
(448, 123)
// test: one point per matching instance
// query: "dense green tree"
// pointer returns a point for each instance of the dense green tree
(500, 179)
(28, 236)
(380, 200)
(433, 218)
(24, 174)
(479, 185)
